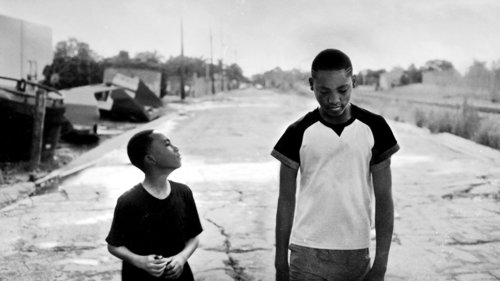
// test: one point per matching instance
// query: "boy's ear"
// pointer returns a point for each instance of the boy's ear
(354, 83)
(150, 159)
(311, 83)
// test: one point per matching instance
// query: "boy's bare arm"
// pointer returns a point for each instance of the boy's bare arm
(284, 219)
(176, 265)
(150, 264)
(384, 219)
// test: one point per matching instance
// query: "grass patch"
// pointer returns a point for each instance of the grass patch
(462, 122)
(465, 121)
(488, 134)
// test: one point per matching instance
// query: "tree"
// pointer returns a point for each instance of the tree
(414, 75)
(234, 72)
(191, 66)
(74, 64)
(280, 79)
(479, 76)
(143, 60)
(438, 65)
(149, 57)
(72, 48)
(123, 56)
(478, 69)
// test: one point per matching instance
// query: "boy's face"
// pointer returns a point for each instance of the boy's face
(332, 89)
(164, 153)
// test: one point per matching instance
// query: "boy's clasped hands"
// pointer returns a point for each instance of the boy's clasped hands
(166, 267)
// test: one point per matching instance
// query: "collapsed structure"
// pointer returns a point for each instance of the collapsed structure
(124, 98)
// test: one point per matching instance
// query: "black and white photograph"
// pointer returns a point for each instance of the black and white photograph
(249, 140)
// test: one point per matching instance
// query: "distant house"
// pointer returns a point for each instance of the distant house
(196, 86)
(391, 79)
(25, 48)
(441, 77)
(200, 86)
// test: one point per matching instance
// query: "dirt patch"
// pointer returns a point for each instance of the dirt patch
(12, 173)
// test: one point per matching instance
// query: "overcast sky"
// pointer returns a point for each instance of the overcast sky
(262, 34)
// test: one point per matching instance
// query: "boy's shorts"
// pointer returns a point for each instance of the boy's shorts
(321, 264)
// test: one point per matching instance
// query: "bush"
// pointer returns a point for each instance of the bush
(442, 121)
(488, 134)
(495, 96)
(467, 121)
(420, 118)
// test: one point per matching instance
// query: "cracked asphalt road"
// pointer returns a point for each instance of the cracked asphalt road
(446, 198)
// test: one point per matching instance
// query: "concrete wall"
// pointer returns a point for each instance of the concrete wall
(201, 87)
(25, 48)
(195, 86)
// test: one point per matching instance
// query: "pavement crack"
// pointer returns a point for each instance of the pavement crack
(467, 191)
(58, 249)
(242, 251)
(237, 251)
(235, 271)
(456, 242)
(463, 192)
(492, 211)
(227, 242)
(395, 238)
(240, 197)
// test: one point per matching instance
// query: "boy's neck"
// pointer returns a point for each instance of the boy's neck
(159, 187)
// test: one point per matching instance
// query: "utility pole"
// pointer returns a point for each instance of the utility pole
(38, 122)
(181, 70)
(212, 63)
(222, 72)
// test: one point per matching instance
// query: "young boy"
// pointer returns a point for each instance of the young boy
(155, 226)
(343, 153)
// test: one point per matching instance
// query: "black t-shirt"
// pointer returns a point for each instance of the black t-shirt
(147, 225)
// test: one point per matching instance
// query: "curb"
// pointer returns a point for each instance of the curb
(15, 192)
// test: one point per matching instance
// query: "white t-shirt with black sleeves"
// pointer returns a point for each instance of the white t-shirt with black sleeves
(335, 194)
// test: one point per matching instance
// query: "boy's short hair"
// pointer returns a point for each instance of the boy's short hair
(331, 59)
(137, 148)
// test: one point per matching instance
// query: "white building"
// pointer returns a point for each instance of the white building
(25, 48)
(391, 79)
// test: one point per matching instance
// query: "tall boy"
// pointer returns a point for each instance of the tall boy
(156, 225)
(343, 154)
